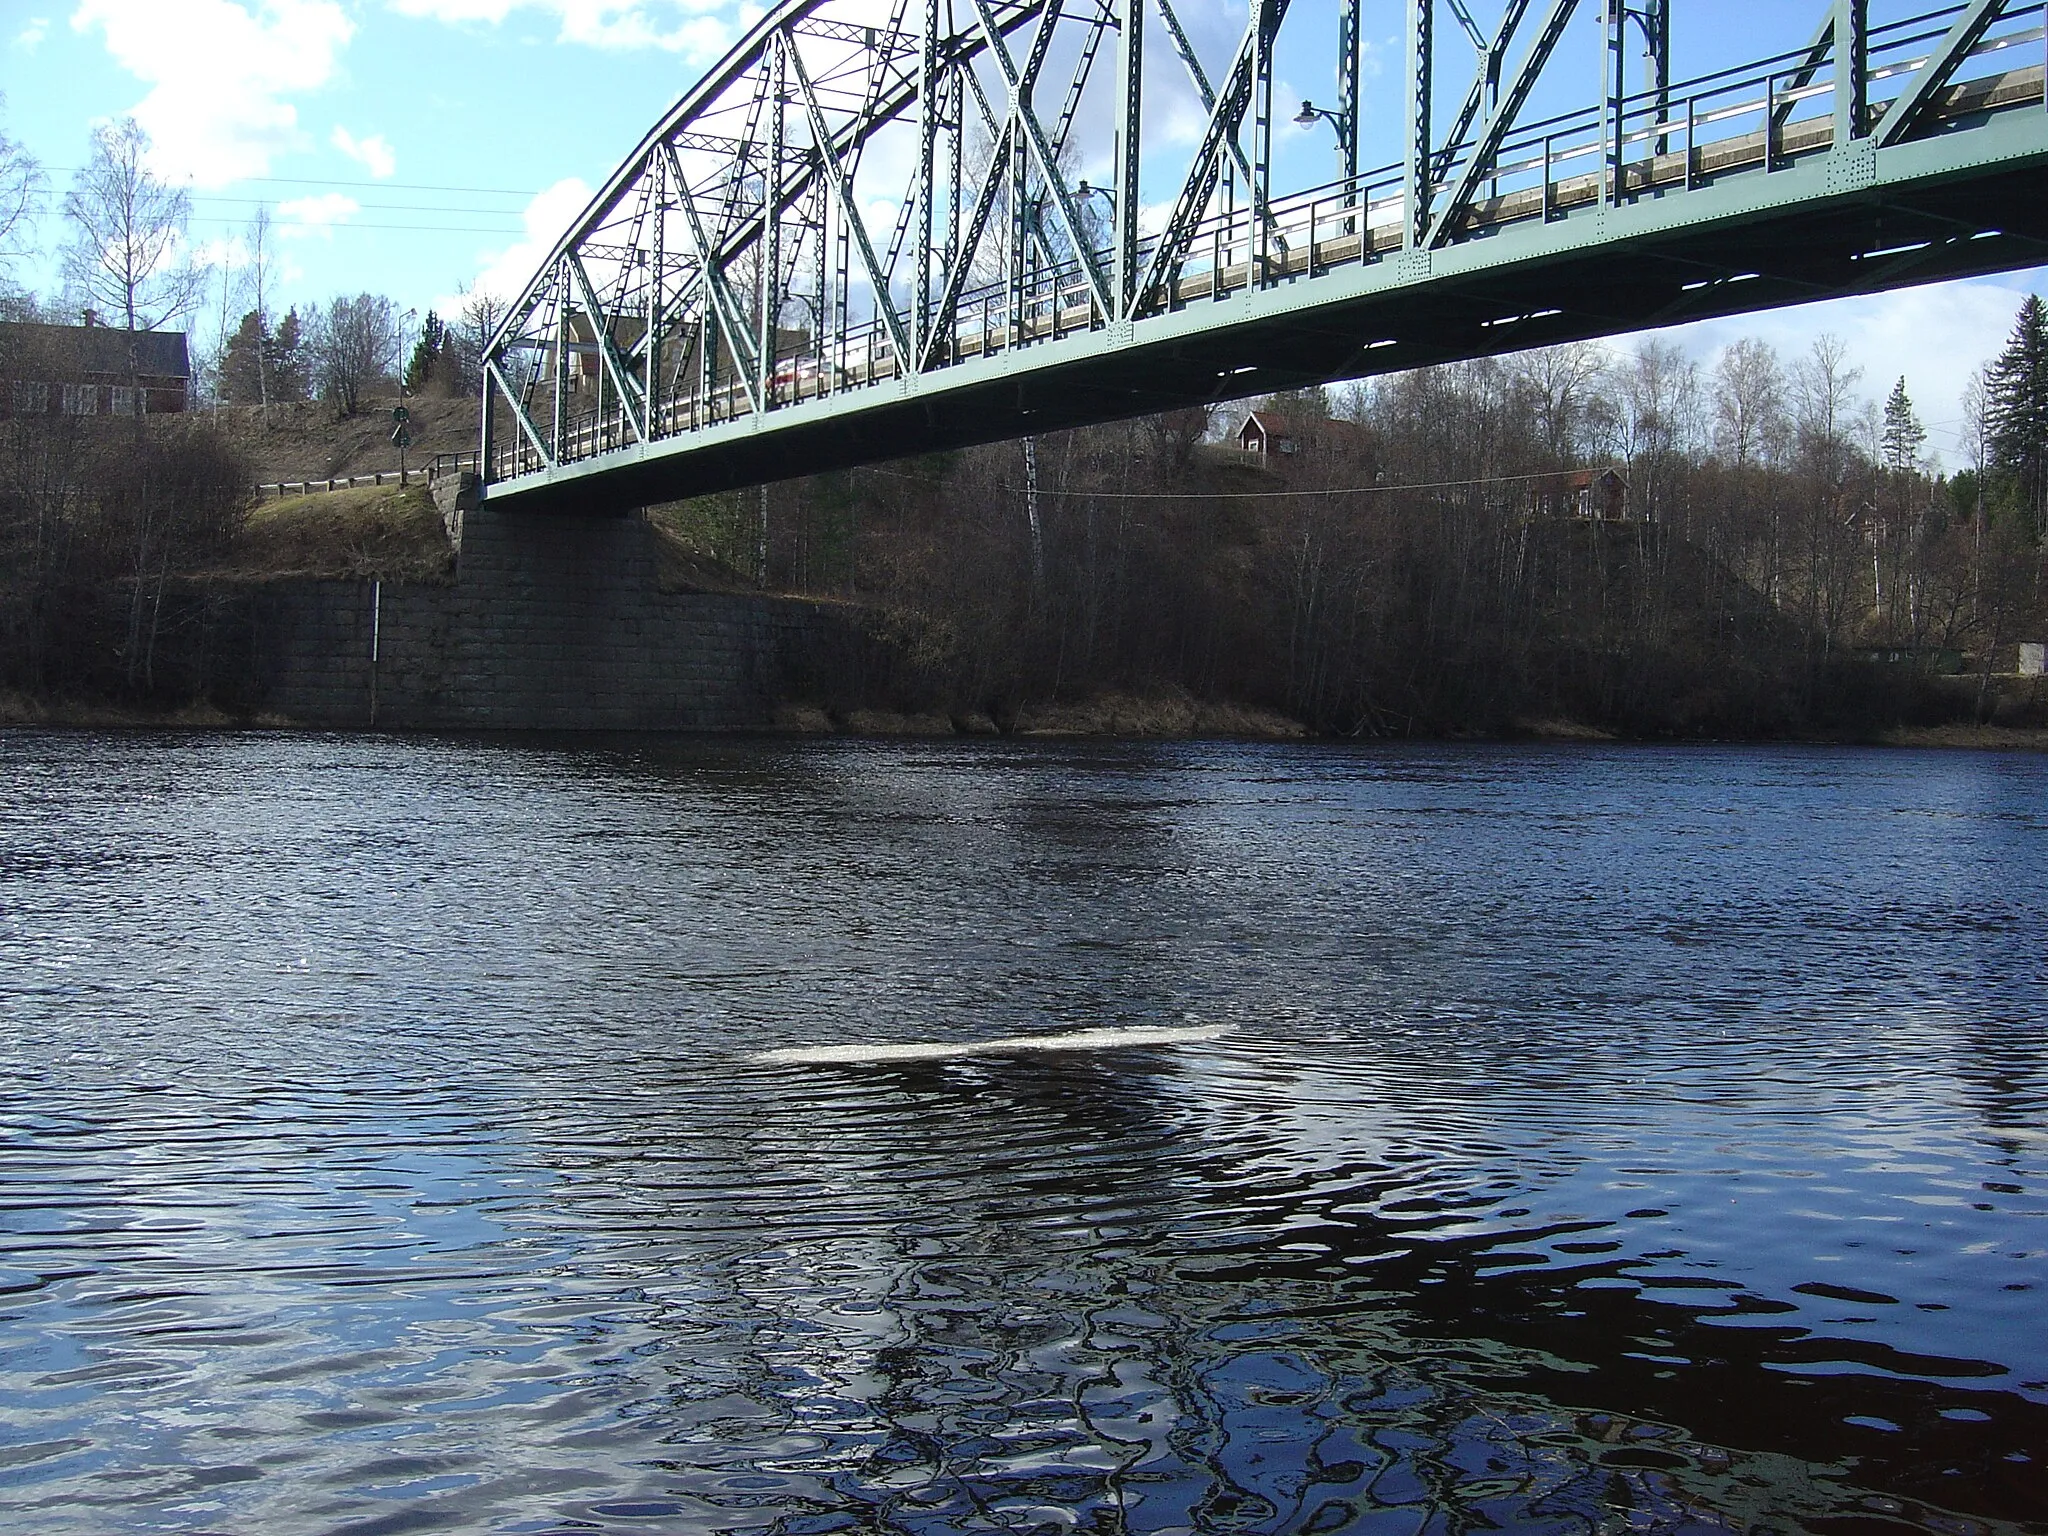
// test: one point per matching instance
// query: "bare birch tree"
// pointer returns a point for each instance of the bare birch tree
(1749, 403)
(1561, 382)
(259, 290)
(482, 313)
(128, 257)
(21, 188)
(228, 272)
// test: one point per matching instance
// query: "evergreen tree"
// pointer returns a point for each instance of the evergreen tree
(2017, 407)
(285, 366)
(1903, 434)
(290, 369)
(426, 354)
(239, 382)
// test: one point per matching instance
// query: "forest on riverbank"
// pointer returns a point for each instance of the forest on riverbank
(1447, 550)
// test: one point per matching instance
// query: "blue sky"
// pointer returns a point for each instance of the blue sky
(414, 147)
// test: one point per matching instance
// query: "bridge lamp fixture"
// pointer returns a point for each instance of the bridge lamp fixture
(1309, 112)
(1108, 194)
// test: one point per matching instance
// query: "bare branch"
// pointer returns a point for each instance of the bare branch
(129, 257)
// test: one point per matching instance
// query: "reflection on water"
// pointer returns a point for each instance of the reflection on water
(1535, 1139)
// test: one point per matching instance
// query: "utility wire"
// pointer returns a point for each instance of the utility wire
(1341, 490)
(48, 200)
(374, 186)
(344, 226)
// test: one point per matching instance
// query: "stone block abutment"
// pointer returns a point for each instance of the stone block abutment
(551, 622)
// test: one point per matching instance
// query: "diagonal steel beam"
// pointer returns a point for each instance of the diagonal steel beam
(1487, 149)
(1200, 180)
(1091, 42)
(723, 305)
(1041, 151)
(1041, 40)
(1472, 29)
(989, 117)
(963, 254)
(842, 187)
(1200, 77)
(1815, 54)
(1487, 76)
(519, 412)
(516, 319)
(1911, 104)
(600, 324)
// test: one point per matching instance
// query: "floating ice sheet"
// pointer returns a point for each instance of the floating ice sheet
(947, 1050)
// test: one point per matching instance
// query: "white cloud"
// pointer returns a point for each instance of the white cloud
(230, 252)
(1935, 337)
(548, 215)
(30, 37)
(219, 72)
(303, 216)
(373, 154)
(692, 28)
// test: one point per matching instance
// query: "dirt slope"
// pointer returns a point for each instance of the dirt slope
(305, 442)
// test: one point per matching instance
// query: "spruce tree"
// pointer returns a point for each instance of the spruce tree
(1903, 434)
(2016, 404)
(239, 381)
(288, 364)
(426, 354)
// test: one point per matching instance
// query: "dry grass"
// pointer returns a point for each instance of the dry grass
(371, 531)
(1997, 737)
(1118, 714)
(1166, 714)
(680, 567)
(888, 722)
(1549, 728)
(19, 709)
(306, 441)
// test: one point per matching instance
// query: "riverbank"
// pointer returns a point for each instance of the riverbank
(1116, 717)
(351, 611)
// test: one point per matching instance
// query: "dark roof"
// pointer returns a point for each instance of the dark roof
(98, 348)
(1327, 430)
(1584, 479)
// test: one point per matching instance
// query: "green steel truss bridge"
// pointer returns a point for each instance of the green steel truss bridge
(880, 227)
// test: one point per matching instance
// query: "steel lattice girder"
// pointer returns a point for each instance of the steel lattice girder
(861, 236)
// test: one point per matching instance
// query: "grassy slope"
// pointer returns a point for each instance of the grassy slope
(370, 531)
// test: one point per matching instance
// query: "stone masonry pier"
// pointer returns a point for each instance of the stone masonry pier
(551, 623)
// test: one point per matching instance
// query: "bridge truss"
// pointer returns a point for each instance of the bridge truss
(878, 227)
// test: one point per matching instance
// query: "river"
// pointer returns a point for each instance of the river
(457, 1135)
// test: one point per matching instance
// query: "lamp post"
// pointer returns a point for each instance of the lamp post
(1347, 158)
(1306, 118)
(401, 418)
(1107, 194)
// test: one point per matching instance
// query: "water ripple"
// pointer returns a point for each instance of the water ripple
(637, 1136)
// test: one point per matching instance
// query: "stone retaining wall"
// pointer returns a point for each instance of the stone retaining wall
(552, 623)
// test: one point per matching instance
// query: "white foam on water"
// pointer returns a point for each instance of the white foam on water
(948, 1050)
